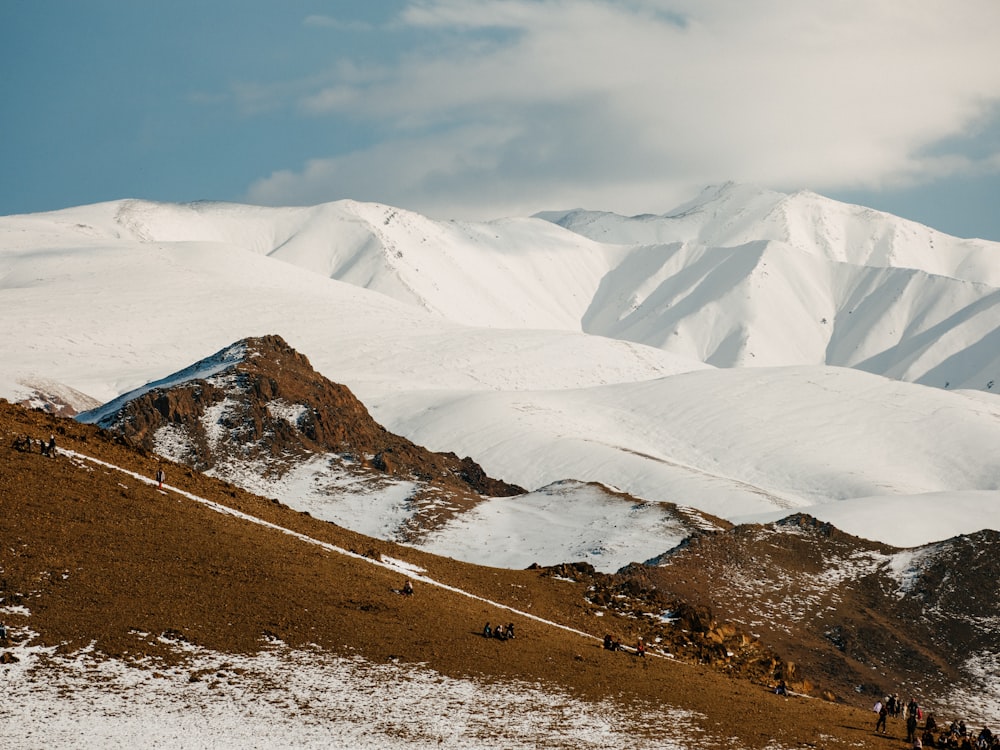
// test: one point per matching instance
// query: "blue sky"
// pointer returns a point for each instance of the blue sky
(475, 109)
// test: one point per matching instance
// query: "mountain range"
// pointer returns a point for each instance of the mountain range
(578, 393)
(748, 354)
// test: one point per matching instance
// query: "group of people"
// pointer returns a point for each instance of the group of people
(23, 443)
(957, 736)
(615, 645)
(499, 632)
(893, 706)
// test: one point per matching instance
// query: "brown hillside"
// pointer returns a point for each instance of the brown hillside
(831, 603)
(100, 557)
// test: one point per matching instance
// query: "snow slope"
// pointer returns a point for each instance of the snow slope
(730, 442)
(739, 277)
(547, 355)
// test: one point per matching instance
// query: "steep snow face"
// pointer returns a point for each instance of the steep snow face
(731, 214)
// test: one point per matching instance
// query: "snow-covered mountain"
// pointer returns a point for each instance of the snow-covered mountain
(257, 415)
(698, 357)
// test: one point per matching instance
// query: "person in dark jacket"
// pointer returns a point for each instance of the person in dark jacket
(883, 714)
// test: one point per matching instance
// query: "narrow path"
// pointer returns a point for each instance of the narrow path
(395, 566)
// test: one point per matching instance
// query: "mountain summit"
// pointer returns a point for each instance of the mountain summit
(258, 415)
(259, 406)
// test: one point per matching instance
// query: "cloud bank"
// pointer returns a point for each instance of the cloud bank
(513, 106)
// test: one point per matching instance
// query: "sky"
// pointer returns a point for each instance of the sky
(475, 110)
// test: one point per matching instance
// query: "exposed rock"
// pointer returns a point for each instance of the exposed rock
(266, 404)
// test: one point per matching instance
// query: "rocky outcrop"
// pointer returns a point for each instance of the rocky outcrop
(271, 405)
(854, 615)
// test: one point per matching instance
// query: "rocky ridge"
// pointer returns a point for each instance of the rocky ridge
(260, 404)
(853, 615)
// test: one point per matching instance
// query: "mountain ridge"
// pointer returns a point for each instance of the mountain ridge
(98, 311)
(259, 405)
(825, 259)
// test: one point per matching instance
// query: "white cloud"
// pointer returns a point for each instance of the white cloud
(618, 105)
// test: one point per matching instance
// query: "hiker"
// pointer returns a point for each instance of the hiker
(911, 725)
(161, 475)
(487, 632)
(640, 648)
(407, 588)
(510, 630)
(883, 713)
(782, 689)
(3, 632)
(499, 633)
(49, 449)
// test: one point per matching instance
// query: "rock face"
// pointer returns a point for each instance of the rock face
(261, 401)
(687, 631)
(854, 615)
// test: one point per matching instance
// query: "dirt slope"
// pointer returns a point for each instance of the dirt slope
(853, 615)
(100, 557)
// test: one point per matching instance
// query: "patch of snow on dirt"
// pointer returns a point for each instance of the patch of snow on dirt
(173, 442)
(905, 567)
(213, 421)
(980, 705)
(283, 698)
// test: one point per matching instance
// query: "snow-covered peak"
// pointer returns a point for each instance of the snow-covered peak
(732, 214)
(200, 370)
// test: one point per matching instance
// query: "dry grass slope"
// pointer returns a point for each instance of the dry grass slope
(100, 557)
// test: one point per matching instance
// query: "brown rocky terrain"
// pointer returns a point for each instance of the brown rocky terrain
(105, 561)
(851, 614)
(277, 410)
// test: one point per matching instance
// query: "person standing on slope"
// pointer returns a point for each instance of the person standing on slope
(883, 714)
(161, 475)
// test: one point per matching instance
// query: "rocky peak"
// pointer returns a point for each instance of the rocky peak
(260, 400)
